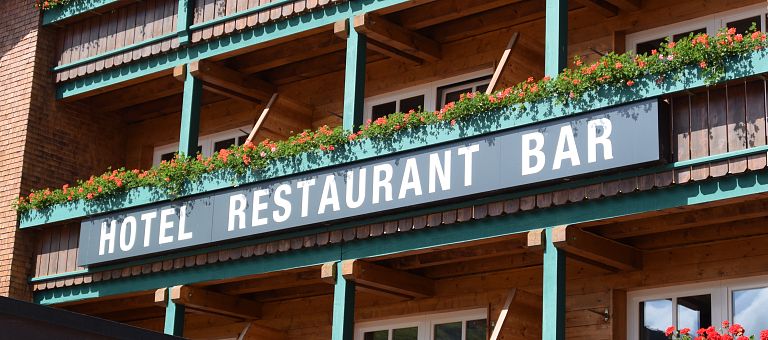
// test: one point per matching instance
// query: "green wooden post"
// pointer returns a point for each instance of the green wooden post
(343, 307)
(354, 79)
(185, 17)
(556, 38)
(553, 305)
(174, 317)
(190, 114)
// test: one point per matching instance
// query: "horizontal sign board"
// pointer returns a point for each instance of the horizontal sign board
(572, 146)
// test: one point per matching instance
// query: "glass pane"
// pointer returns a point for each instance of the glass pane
(678, 36)
(454, 96)
(411, 333)
(655, 317)
(382, 110)
(377, 335)
(750, 306)
(167, 156)
(223, 144)
(743, 25)
(413, 103)
(694, 312)
(647, 46)
(476, 330)
(448, 331)
(482, 88)
(241, 139)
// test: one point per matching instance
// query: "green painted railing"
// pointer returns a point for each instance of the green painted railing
(73, 9)
(482, 123)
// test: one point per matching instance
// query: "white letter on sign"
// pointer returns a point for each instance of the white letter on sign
(382, 183)
(534, 151)
(439, 172)
(129, 225)
(467, 152)
(304, 186)
(411, 180)
(330, 195)
(183, 234)
(258, 206)
(280, 201)
(236, 209)
(165, 225)
(107, 236)
(566, 137)
(351, 202)
(602, 139)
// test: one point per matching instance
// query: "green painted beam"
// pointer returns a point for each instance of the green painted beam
(553, 294)
(174, 316)
(226, 44)
(556, 37)
(343, 325)
(72, 9)
(185, 17)
(354, 79)
(190, 114)
(749, 183)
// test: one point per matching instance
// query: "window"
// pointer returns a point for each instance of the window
(464, 325)
(428, 97)
(742, 19)
(207, 145)
(743, 301)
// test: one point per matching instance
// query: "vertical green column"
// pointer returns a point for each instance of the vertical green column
(174, 317)
(556, 38)
(185, 17)
(354, 79)
(553, 304)
(190, 114)
(343, 307)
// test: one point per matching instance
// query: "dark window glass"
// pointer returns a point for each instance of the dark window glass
(655, 317)
(744, 25)
(482, 88)
(241, 140)
(167, 156)
(382, 110)
(647, 46)
(694, 312)
(679, 36)
(223, 144)
(476, 330)
(411, 333)
(413, 103)
(378, 335)
(454, 96)
(448, 331)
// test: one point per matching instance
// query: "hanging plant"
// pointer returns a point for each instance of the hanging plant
(708, 53)
(45, 5)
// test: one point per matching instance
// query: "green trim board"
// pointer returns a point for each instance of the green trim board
(556, 37)
(553, 292)
(226, 44)
(354, 78)
(755, 63)
(174, 316)
(73, 9)
(343, 324)
(711, 190)
(190, 113)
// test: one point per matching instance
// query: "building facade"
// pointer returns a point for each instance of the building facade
(611, 200)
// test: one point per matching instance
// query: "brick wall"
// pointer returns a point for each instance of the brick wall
(42, 142)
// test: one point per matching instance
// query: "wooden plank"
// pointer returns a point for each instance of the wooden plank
(76, 47)
(208, 15)
(699, 133)
(130, 32)
(439, 12)
(311, 4)
(681, 130)
(39, 254)
(299, 6)
(219, 10)
(86, 41)
(61, 266)
(288, 53)
(168, 23)
(253, 19)
(139, 27)
(106, 22)
(275, 13)
(264, 15)
(241, 21)
(272, 282)
(737, 130)
(387, 279)
(718, 129)
(67, 35)
(53, 257)
(576, 241)
(196, 19)
(157, 25)
(618, 314)
(328, 272)
(98, 31)
(503, 315)
(502, 63)
(756, 134)
(248, 330)
(602, 7)
(379, 29)
(287, 9)
(149, 26)
(231, 8)
(627, 5)
(114, 21)
(215, 303)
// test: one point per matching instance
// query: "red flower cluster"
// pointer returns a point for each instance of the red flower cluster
(726, 332)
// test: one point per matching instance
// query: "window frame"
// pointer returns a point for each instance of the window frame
(424, 322)
(428, 90)
(712, 22)
(206, 142)
(721, 291)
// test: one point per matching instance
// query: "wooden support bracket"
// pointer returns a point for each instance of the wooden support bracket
(576, 241)
(328, 273)
(395, 282)
(341, 30)
(215, 303)
(502, 63)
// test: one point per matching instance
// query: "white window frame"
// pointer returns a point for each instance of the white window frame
(712, 23)
(721, 291)
(206, 142)
(425, 322)
(428, 90)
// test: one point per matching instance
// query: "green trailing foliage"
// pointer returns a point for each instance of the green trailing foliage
(709, 53)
